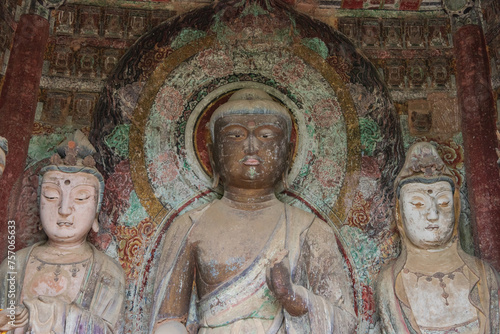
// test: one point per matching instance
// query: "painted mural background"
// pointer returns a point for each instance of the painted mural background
(350, 136)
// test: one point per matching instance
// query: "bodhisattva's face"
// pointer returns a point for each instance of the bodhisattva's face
(68, 206)
(250, 151)
(428, 213)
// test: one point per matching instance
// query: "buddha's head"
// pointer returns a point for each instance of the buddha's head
(70, 195)
(4, 149)
(251, 141)
(428, 206)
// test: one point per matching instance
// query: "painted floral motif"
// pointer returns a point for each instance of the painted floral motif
(370, 135)
(41, 129)
(340, 66)
(326, 113)
(27, 213)
(127, 98)
(328, 172)
(289, 70)
(368, 302)
(132, 243)
(116, 195)
(169, 103)
(151, 59)
(164, 169)
(370, 167)
(215, 63)
(359, 215)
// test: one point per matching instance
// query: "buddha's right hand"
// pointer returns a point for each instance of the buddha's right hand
(9, 321)
(170, 327)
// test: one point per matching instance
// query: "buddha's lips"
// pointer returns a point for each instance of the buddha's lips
(64, 223)
(432, 227)
(249, 161)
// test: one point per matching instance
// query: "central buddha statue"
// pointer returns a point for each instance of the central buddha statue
(248, 263)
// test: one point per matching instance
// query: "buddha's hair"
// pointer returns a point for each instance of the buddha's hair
(251, 102)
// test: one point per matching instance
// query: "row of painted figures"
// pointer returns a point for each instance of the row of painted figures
(257, 264)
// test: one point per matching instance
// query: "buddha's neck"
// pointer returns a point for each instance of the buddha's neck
(252, 203)
(431, 261)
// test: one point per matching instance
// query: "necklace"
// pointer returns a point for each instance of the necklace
(73, 270)
(440, 276)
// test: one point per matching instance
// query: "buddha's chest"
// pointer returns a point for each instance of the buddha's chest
(227, 246)
(63, 280)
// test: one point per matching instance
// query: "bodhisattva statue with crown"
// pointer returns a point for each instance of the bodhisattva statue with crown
(434, 287)
(259, 265)
(64, 284)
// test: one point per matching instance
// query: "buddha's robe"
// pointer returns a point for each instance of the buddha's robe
(395, 311)
(98, 307)
(244, 303)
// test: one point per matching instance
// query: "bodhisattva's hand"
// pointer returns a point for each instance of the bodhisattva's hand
(20, 318)
(46, 313)
(280, 283)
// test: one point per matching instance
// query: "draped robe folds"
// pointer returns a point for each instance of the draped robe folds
(395, 311)
(317, 270)
(98, 307)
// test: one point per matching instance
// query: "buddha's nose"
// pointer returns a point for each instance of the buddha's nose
(251, 145)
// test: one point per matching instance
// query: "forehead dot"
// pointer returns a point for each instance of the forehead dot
(251, 123)
(429, 191)
(66, 182)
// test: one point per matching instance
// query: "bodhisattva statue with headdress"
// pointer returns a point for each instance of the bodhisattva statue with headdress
(259, 265)
(64, 284)
(434, 287)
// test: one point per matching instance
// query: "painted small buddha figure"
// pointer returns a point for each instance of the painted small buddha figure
(258, 265)
(434, 287)
(64, 284)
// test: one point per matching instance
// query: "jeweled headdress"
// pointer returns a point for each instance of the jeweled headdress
(74, 155)
(423, 165)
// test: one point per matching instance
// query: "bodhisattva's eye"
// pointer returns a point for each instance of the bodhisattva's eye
(444, 204)
(417, 204)
(82, 197)
(50, 195)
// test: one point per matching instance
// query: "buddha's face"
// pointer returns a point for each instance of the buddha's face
(250, 151)
(68, 206)
(428, 213)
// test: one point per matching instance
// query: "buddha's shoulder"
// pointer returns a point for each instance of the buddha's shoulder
(193, 214)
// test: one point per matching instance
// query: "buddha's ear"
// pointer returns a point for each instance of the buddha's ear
(290, 154)
(210, 149)
(95, 225)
